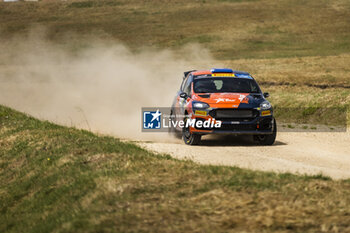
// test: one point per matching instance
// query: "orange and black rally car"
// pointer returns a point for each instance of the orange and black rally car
(222, 101)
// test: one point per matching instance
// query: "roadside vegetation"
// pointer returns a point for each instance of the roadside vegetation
(58, 179)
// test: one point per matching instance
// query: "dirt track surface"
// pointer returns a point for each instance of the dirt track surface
(302, 153)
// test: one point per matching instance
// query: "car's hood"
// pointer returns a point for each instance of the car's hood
(230, 100)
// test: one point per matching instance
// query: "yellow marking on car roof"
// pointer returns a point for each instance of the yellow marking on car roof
(223, 75)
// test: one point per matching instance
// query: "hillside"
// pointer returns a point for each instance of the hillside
(58, 179)
(230, 28)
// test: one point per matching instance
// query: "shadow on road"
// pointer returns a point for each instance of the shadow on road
(231, 140)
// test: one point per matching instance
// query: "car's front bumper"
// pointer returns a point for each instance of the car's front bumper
(260, 125)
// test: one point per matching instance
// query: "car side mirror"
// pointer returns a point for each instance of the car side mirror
(183, 95)
(266, 94)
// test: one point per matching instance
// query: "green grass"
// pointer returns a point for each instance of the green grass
(231, 29)
(58, 179)
(310, 105)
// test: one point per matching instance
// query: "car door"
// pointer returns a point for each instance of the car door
(183, 101)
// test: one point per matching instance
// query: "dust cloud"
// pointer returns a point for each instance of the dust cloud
(101, 87)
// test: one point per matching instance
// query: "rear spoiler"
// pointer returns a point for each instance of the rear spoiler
(187, 72)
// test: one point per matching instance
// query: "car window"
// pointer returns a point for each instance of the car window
(187, 87)
(254, 87)
(183, 83)
(217, 85)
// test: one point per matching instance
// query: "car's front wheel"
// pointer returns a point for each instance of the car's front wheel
(188, 137)
(269, 139)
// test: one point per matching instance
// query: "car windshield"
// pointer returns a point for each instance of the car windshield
(220, 85)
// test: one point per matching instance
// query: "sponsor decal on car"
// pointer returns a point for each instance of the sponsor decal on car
(266, 113)
(201, 113)
(235, 98)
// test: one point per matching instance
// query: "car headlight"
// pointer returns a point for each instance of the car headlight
(200, 105)
(265, 105)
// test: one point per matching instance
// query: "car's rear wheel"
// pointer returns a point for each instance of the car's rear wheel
(268, 139)
(188, 137)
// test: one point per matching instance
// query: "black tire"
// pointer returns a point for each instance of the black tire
(268, 140)
(190, 138)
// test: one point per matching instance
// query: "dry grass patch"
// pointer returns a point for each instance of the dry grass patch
(310, 105)
(328, 71)
(231, 29)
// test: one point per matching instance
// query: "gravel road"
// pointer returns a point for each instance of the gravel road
(295, 152)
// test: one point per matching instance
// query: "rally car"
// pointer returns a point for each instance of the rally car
(220, 101)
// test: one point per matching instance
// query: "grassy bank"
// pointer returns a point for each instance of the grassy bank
(58, 179)
(311, 105)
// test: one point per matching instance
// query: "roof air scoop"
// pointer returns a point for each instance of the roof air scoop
(225, 70)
